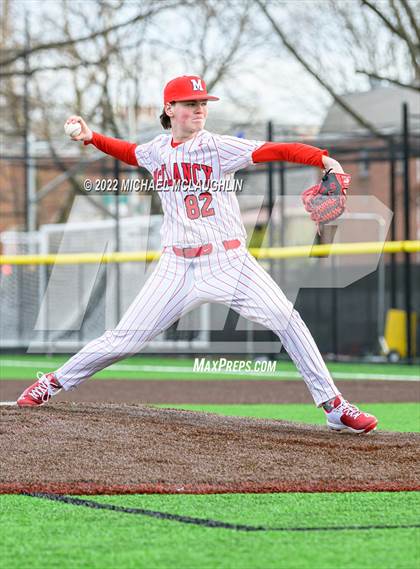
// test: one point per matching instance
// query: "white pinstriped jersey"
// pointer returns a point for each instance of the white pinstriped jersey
(200, 213)
(179, 283)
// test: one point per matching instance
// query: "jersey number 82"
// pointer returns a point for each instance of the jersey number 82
(192, 205)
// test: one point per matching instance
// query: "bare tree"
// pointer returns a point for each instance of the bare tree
(100, 62)
(341, 43)
(156, 7)
(399, 18)
(210, 28)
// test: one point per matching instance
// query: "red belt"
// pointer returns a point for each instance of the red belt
(191, 252)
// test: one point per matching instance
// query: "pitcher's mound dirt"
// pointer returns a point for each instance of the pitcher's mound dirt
(106, 448)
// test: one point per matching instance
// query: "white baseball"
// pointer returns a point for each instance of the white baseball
(72, 128)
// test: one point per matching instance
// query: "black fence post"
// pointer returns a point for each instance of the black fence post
(21, 297)
(393, 204)
(26, 123)
(282, 222)
(270, 181)
(407, 259)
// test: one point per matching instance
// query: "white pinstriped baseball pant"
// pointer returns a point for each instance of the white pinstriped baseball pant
(176, 286)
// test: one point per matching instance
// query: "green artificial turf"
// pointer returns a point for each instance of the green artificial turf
(41, 534)
(403, 417)
(25, 366)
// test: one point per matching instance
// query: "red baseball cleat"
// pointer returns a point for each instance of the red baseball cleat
(39, 392)
(344, 416)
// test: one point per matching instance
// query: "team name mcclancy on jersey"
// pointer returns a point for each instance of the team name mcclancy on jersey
(191, 176)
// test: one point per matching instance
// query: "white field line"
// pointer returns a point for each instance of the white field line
(183, 369)
(8, 403)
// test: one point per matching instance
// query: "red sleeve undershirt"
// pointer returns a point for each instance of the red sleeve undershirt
(119, 149)
(268, 152)
(289, 152)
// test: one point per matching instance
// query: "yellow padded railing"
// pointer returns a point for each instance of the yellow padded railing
(367, 248)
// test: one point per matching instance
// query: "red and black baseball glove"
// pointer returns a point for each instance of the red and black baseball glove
(327, 200)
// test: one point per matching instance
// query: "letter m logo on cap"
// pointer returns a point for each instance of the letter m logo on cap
(196, 85)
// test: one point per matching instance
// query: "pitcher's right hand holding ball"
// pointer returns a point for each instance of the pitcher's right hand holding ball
(77, 129)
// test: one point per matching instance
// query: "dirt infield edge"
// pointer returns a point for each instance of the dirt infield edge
(86, 488)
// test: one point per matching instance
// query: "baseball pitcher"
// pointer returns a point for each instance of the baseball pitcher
(204, 256)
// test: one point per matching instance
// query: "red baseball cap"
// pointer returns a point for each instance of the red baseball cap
(186, 88)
